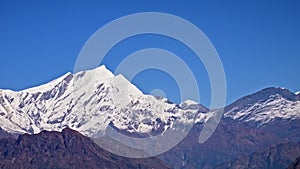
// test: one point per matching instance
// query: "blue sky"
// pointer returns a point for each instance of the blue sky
(258, 42)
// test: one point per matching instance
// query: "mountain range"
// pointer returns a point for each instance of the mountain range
(66, 149)
(261, 130)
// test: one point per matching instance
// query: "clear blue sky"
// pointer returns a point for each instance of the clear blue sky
(258, 42)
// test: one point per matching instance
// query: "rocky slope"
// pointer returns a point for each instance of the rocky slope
(250, 125)
(68, 149)
(295, 164)
(278, 156)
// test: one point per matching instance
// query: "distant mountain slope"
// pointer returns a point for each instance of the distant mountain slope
(275, 110)
(268, 105)
(68, 149)
(274, 157)
(229, 141)
(251, 124)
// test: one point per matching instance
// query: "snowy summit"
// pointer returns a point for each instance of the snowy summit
(89, 101)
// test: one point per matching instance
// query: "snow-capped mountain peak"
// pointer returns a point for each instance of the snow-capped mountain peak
(189, 102)
(128, 87)
(101, 72)
(265, 106)
(89, 101)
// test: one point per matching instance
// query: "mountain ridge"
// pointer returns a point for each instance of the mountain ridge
(66, 149)
(89, 101)
(93, 101)
(265, 106)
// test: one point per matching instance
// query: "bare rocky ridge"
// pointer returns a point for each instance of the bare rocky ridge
(68, 149)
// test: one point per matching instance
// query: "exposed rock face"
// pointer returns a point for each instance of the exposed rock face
(229, 141)
(274, 157)
(68, 149)
(5, 134)
(295, 164)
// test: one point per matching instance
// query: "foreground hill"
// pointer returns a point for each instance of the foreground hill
(66, 149)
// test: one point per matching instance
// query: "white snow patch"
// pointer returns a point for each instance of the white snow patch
(190, 102)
